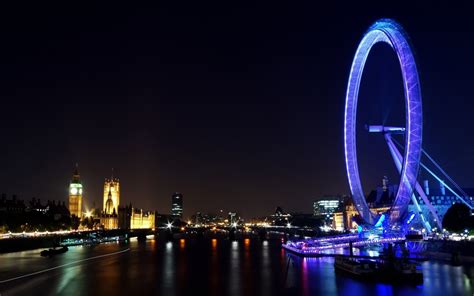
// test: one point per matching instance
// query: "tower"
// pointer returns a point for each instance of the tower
(109, 204)
(177, 205)
(75, 194)
(109, 216)
(111, 195)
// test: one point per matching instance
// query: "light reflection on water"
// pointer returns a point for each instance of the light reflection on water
(439, 279)
(248, 275)
(214, 283)
(266, 270)
(168, 272)
(234, 269)
(67, 278)
(209, 267)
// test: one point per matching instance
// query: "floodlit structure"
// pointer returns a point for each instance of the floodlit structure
(75, 194)
(326, 206)
(389, 32)
(109, 217)
(393, 219)
(142, 220)
(406, 157)
(134, 218)
(111, 195)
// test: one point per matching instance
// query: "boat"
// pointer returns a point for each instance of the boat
(380, 269)
(54, 251)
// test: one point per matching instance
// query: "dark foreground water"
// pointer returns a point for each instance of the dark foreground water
(202, 267)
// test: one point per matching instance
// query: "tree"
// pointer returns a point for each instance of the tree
(457, 218)
(88, 222)
(75, 222)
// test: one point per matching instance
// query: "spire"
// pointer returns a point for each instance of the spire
(109, 203)
(76, 169)
(76, 176)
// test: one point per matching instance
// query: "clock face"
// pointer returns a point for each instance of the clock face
(73, 190)
(80, 190)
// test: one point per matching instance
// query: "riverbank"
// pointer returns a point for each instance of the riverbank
(18, 243)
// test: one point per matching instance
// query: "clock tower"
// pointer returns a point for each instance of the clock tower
(75, 195)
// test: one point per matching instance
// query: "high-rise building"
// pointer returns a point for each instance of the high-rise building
(111, 195)
(326, 206)
(177, 205)
(75, 194)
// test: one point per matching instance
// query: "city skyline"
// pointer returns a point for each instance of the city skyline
(300, 148)
(248, 112)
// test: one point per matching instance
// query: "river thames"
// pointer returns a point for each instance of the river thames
(203, 267)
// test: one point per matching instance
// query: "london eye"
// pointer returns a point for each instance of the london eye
(389, 32)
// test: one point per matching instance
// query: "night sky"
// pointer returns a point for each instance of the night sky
(237, 107)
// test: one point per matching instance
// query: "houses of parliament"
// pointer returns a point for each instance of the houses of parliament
(111, 216)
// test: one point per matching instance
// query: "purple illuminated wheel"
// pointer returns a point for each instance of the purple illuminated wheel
(391, 33)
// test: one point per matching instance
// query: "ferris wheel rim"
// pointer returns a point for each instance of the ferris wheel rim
(389, 32)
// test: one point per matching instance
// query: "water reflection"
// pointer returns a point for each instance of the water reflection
(68, 277)
(168, 270)
(214, 269)
(247, 243)
(208, 267)
(316, 276)
(304, 276)
(214, 244)
(249, 276)
(234, 270)
(265, 288)
(182, 267)
(440, 279)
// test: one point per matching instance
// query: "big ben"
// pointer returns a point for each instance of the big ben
(75, 195)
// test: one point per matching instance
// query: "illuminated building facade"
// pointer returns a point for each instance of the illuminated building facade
(177, 205)
(109, 221)
(109, 218)
(441, 200)
(111, 195)
(133, 218)
(345, 220)
(381, 199)
(75, 195)
(280, 217)
(142, 220)
(326, 206)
